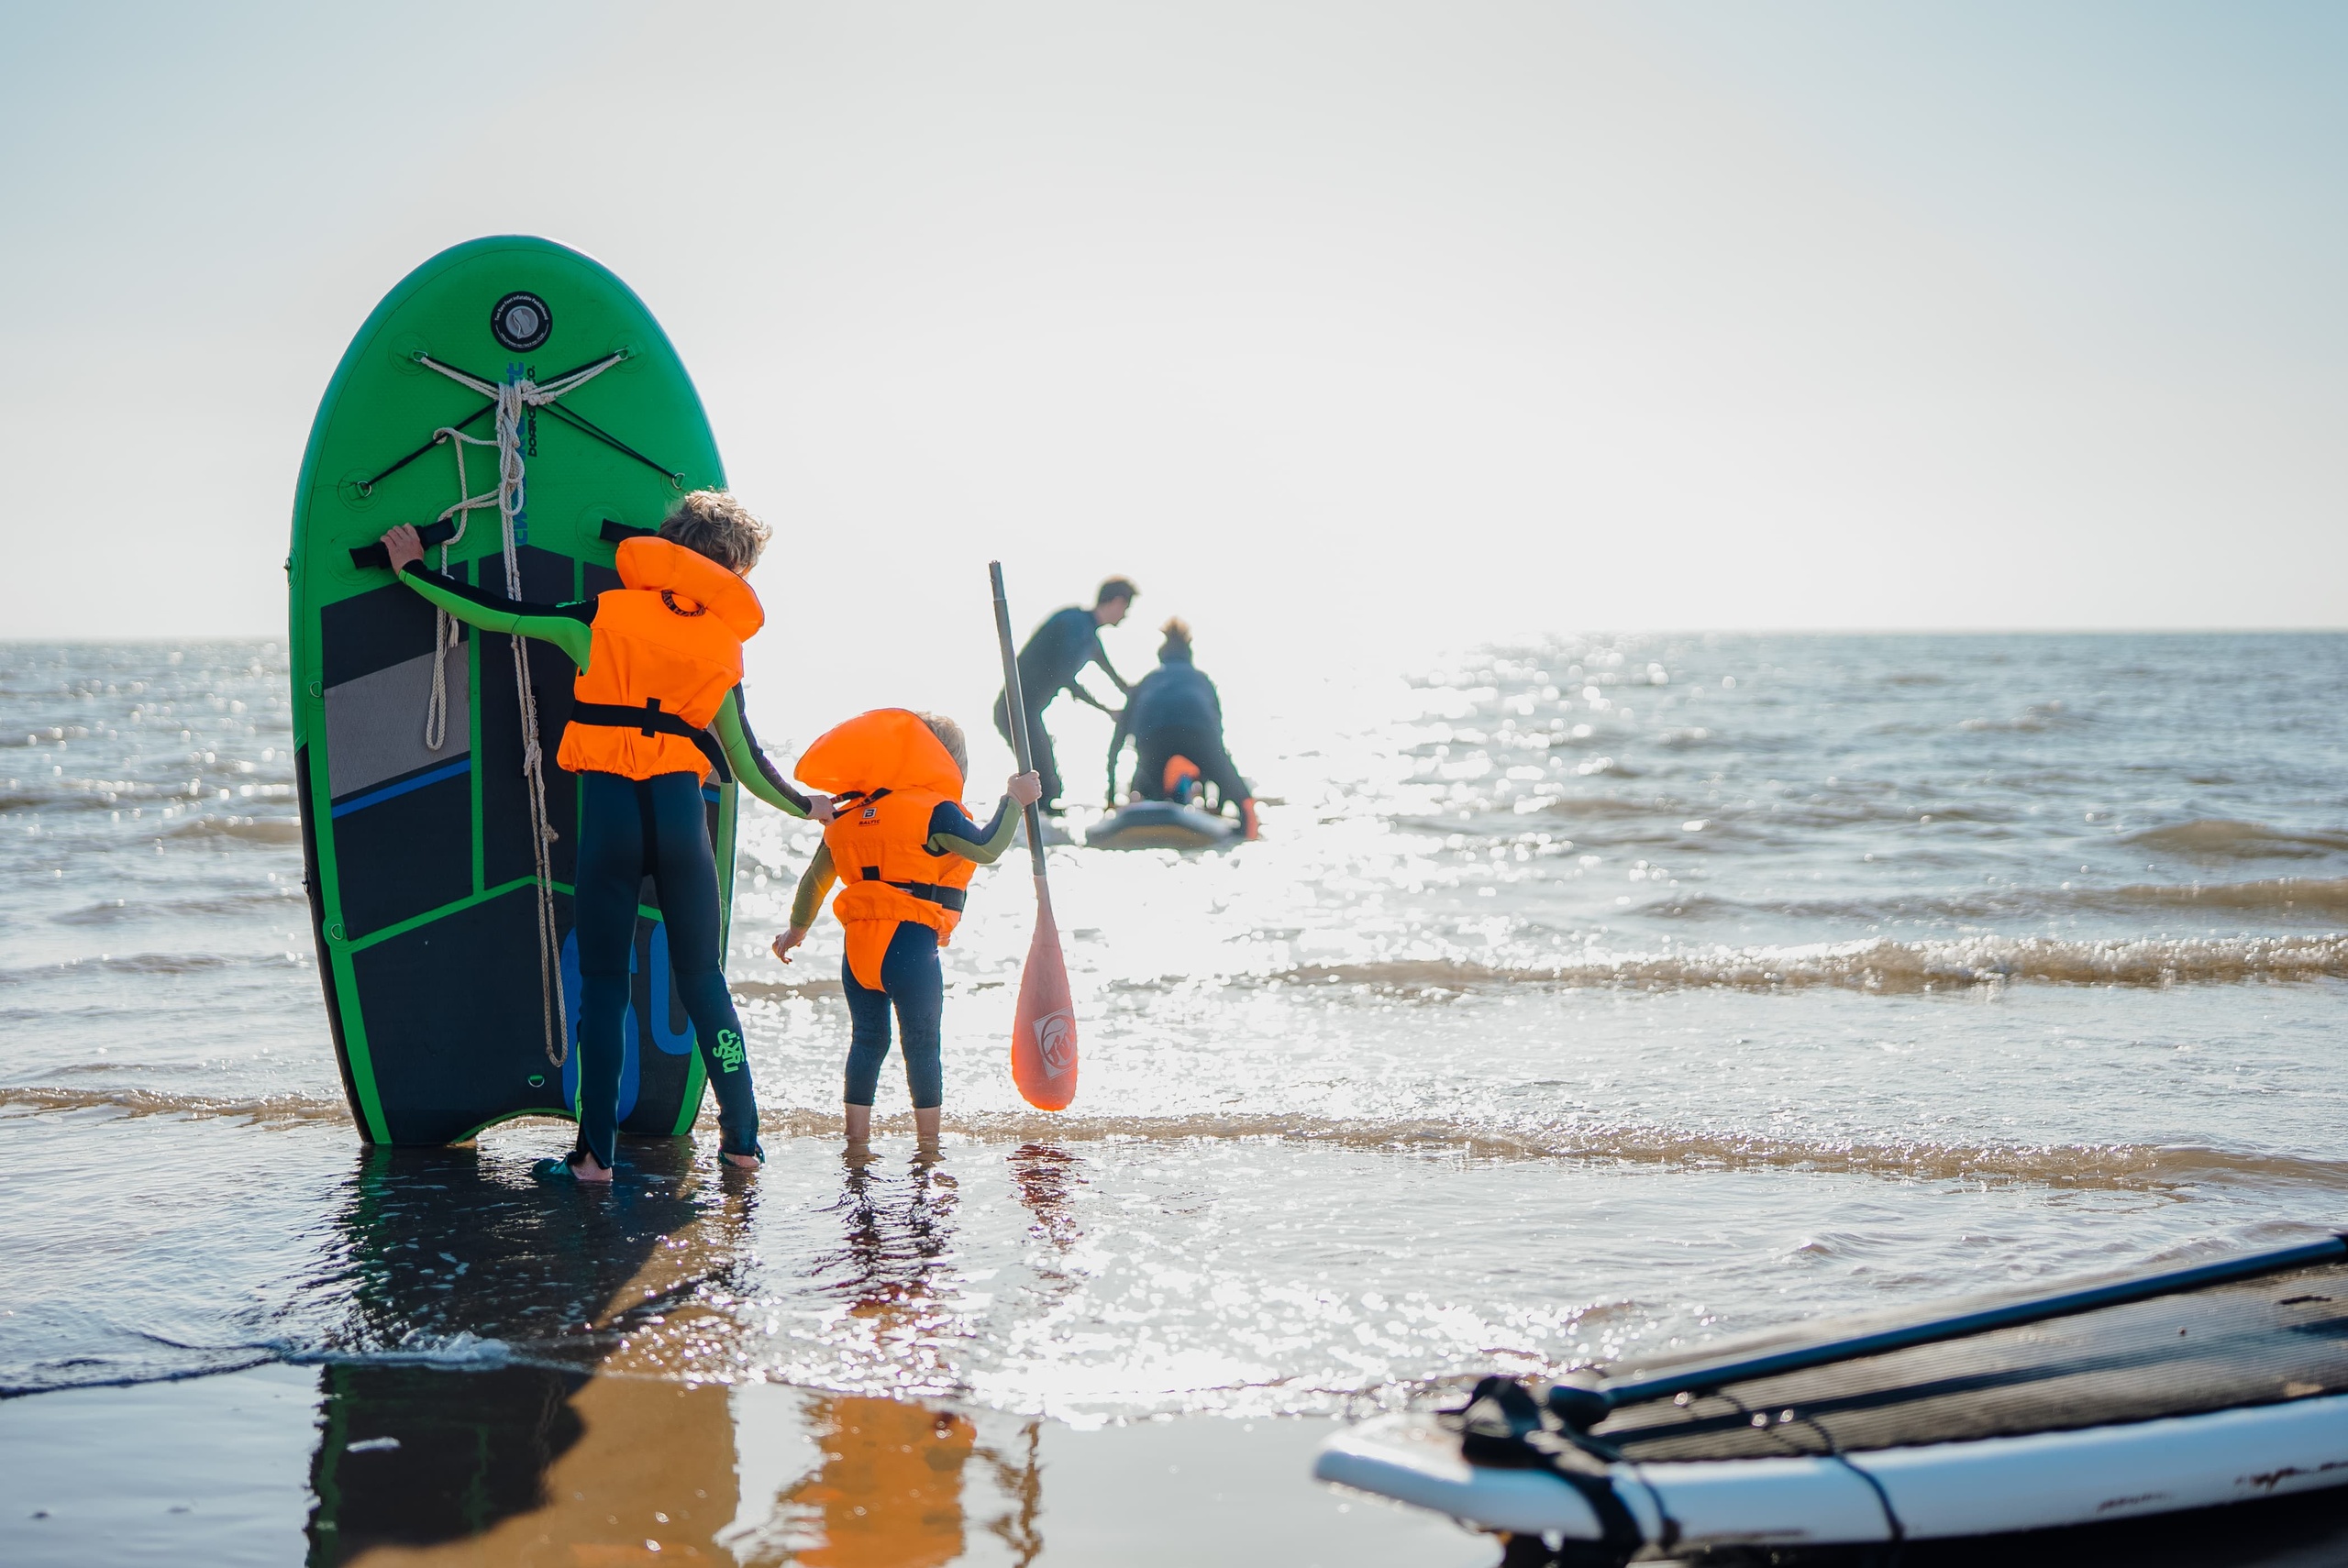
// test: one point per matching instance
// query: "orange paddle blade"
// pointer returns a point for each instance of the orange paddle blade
(1043, 1036)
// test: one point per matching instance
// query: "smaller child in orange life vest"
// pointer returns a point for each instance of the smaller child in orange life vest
(905, 847)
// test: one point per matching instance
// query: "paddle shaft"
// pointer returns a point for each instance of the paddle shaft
(1014, 704)
(2063, 1304)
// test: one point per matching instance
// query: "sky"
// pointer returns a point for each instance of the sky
(1348, 329)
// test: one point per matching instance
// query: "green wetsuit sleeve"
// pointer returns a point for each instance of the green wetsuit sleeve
(814, 883)
(951, 831)
(759, 776)
(564, 626)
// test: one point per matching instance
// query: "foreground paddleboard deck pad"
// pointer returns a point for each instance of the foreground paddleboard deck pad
(2203, 1397)
(1161, 824)
(423, 885)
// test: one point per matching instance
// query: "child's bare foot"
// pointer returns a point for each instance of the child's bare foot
(742, 1162)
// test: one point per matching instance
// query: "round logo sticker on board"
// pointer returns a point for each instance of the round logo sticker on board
(521, 321)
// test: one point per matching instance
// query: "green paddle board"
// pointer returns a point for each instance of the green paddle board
(450, 1010)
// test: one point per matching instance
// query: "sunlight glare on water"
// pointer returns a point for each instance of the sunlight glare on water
(1581, 1000)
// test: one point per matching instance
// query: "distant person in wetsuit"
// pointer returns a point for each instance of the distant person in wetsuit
(1066, 641)
(1174, 717)
(658, 702)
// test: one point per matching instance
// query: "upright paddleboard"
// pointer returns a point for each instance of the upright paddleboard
(425, 891)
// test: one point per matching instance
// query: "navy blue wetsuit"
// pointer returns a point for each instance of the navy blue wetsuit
(630, 829)
(1066, 641)
(911, 978)
(1175, 711)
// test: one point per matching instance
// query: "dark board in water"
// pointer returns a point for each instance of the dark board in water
(1161, 824)
(424, 889)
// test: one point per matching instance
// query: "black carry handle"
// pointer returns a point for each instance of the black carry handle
(374, 555)
(619, 533)
(1015, 711)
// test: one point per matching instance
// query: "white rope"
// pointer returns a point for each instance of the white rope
(515, 400)
(446, 628)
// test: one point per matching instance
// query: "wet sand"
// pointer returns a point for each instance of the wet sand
(395, 1465)
(437, 1468)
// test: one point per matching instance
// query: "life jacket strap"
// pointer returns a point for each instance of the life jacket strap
(650, 721)
(945, 898)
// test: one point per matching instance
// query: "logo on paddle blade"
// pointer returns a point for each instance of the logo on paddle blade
(1056, 1038)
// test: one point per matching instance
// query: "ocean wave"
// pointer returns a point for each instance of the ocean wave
(2295, 894)
(2221, 838)
(785, 990)
(1602, 813)
(2132, 1167)
(2297, 897)
(2035, 719)
(152, 963)
(275, 1109)
(113, 912)
(247, 830)
(1878, 965)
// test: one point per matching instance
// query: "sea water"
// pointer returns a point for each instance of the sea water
(1583, 1001)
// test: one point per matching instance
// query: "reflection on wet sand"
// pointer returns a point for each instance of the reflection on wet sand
(541, 1375)
(889, 1493)
(435, 1448)
(895, 1271)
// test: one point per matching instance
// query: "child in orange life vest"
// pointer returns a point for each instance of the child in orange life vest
(659, 708)
(902, 843)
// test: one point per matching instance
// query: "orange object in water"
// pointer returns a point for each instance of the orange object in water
(1181, 776)
(1042, 1032)
(889, 772)
(671, 638)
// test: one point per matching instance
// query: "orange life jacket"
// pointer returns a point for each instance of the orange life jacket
(887, 773)
(666, 649)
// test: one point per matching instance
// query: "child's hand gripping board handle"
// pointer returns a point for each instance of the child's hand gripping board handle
(427, 534)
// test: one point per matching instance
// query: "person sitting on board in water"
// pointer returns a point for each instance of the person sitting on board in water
(1174, 717)
(1066, 641)
(659, 664)
(909, 849)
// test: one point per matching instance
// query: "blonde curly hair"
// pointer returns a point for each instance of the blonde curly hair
(712, 522)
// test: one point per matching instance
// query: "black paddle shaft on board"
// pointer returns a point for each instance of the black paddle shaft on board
(1585, 1406)
(1015, 706)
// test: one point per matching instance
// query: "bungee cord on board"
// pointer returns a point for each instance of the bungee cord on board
(513, 402)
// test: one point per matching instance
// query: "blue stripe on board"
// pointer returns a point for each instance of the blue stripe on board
(377, 797)
(709, 793)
